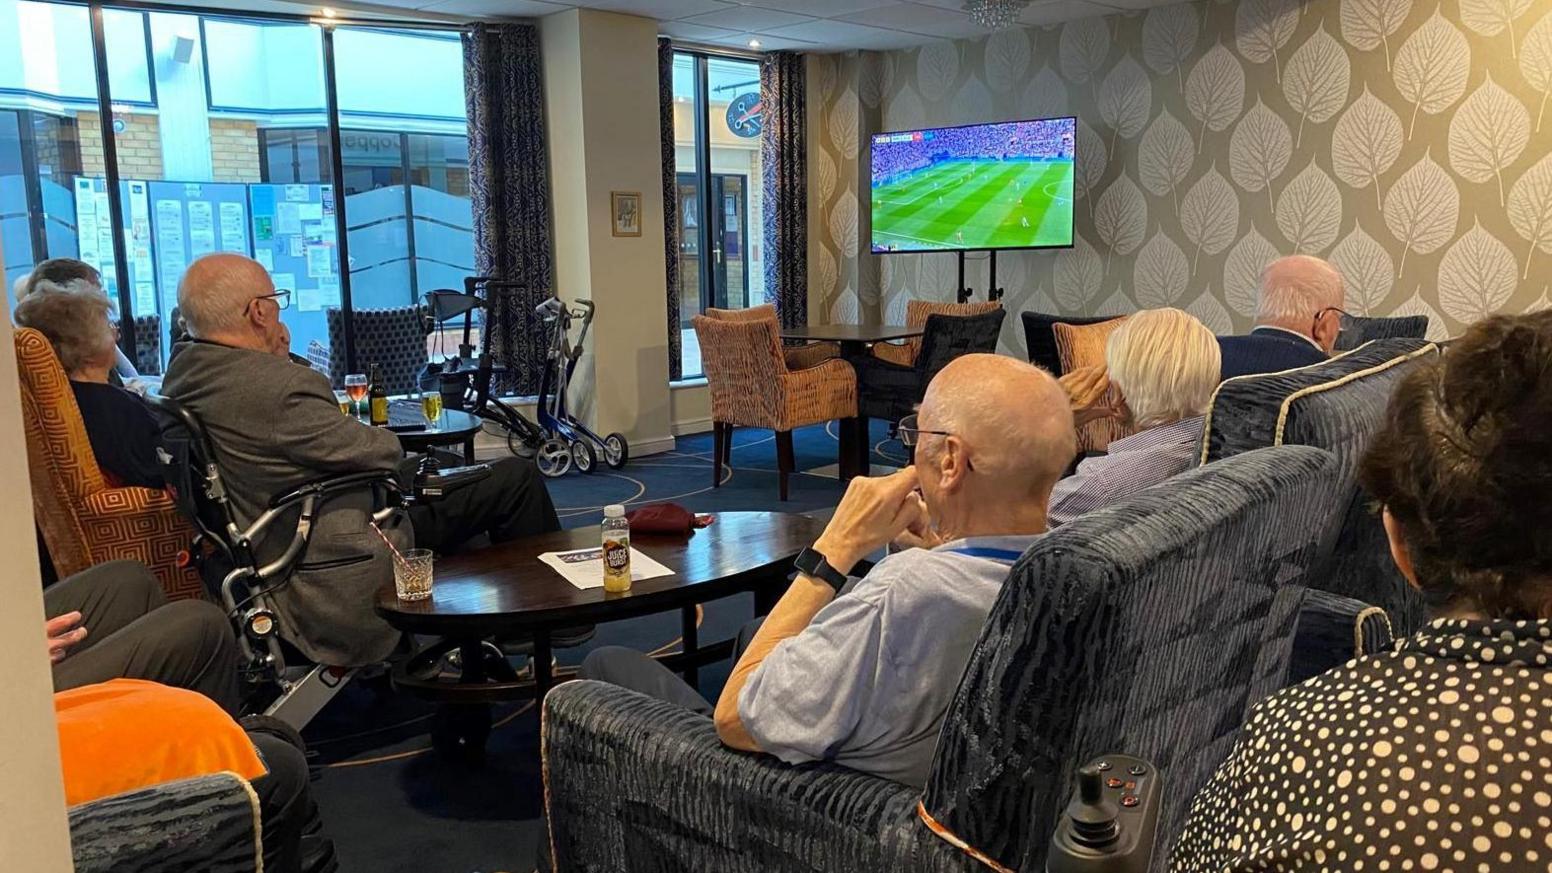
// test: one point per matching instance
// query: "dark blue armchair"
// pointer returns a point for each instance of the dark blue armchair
(1150, 626)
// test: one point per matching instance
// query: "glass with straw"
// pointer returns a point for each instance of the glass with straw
(412, 570)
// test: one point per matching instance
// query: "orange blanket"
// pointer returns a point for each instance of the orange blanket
(127, 734)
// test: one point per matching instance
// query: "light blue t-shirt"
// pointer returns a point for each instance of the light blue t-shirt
(868, 682)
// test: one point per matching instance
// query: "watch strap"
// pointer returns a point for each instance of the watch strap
(814, 564)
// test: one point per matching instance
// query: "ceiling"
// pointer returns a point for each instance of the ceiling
(801, 25)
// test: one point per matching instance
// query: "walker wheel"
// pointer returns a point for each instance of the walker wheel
(616, 451)
(554, 458)
(519, 446)
(583, 456)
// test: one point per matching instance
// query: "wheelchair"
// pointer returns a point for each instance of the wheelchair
(223, 552)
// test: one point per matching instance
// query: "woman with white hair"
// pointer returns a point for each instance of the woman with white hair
(1165, 364)
(69, 274)
(122, 431)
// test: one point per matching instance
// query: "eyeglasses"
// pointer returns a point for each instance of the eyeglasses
(1321, 314)
(910, 434)
(282, 300)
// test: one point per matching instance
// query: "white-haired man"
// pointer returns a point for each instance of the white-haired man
(277, 426)
(1164, 363)
(861, 671)
(1298, 317)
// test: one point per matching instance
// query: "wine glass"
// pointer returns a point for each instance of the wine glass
(355, 386)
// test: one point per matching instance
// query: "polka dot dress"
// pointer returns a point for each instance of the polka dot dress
(1434, 757)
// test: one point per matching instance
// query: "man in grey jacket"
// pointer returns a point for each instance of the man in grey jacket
(276, 425)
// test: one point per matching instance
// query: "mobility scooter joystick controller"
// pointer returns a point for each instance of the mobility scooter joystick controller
(1110, 824)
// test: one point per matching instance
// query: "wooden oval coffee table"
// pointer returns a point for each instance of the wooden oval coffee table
(506, 592)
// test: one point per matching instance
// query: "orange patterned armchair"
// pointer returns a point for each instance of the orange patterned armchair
(85, 521)
(916, 312)
(798, 357)
(751, 386)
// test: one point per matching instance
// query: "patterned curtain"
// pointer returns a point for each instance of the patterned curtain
(665, 103)
(510, 190)
(783, 151)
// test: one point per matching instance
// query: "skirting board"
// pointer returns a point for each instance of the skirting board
(692, 426)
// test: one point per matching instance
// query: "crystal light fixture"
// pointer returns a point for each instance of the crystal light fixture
(995, 14)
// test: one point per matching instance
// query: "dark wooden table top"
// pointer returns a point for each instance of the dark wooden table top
(856, 333)
(453, 426)
(507, 589)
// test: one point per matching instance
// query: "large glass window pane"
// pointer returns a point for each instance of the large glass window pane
(736, 127)
(53, 199)
(687, 166)
(405, 155)
(226, 156)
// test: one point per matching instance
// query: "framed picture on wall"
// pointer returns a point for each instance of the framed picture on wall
(625, 207)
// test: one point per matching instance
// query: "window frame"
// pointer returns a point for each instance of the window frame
(105, 113)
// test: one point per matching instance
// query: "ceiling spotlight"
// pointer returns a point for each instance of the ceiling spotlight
(328, 12)
(754, 43)
(995, 14)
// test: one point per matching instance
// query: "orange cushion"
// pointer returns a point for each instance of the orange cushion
(127, 734)
(1083, 345)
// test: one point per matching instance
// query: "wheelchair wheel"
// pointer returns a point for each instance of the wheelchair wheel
(554, 458)
(459, 731)
(616, 451)
(583, 456)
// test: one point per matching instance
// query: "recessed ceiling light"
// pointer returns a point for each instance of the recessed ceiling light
(328, 12)
(754, 43)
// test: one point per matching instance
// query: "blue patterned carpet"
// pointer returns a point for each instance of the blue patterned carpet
(394, 806)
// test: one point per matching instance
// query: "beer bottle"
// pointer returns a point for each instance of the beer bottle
(377, 397)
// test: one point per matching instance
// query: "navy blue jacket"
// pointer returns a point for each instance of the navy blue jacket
(1266, 350)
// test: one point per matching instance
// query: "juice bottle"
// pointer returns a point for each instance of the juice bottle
(617, 573)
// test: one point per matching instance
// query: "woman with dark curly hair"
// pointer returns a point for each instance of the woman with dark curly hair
(1438, 755)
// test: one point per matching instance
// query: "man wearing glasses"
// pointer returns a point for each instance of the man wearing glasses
(1298, 316)
(861, 671)
(277, 426)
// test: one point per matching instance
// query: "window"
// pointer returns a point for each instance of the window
(223, 141)
(53, 194)
(717, 130)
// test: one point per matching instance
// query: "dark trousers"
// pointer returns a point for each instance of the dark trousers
(132, 632)
(511, 503)
(285, 802)
(644, 674)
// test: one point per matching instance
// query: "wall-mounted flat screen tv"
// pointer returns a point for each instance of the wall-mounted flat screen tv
(1006, 185)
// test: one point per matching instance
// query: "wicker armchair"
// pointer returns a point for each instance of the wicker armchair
(1150, 626)
(798, 357)
(84, 522)
(916, 312)
(751, 386)
(890, 390)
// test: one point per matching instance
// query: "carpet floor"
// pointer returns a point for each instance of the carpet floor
(395, 806)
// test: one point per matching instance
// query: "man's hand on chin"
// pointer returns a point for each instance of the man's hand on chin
(873, 513)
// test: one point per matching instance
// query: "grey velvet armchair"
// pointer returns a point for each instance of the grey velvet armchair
(1149, 627)
(1337, 405)
(209, 824)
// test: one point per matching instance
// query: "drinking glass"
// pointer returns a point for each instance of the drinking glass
(355, 386)
(431, 406)
(345, 402)
(412, 574)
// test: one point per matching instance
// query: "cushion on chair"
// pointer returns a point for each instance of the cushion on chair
(394, 339)
(1358, 329)
(916, 314)
(1083, 345)
(1337, 405)
(1040, 337)
(1149, 627)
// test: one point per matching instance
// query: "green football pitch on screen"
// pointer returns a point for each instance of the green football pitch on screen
(965, 204)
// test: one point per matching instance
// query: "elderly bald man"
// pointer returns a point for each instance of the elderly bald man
(1298, 317)
(861, 670)
(277, 426)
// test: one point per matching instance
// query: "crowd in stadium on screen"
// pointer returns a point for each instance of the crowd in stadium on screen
(1051, 139)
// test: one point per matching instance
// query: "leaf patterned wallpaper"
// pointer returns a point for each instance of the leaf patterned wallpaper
(1406, 141)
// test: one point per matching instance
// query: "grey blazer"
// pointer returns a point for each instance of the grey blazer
(276, 426)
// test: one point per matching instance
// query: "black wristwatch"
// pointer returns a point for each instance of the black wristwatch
(816, 566)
